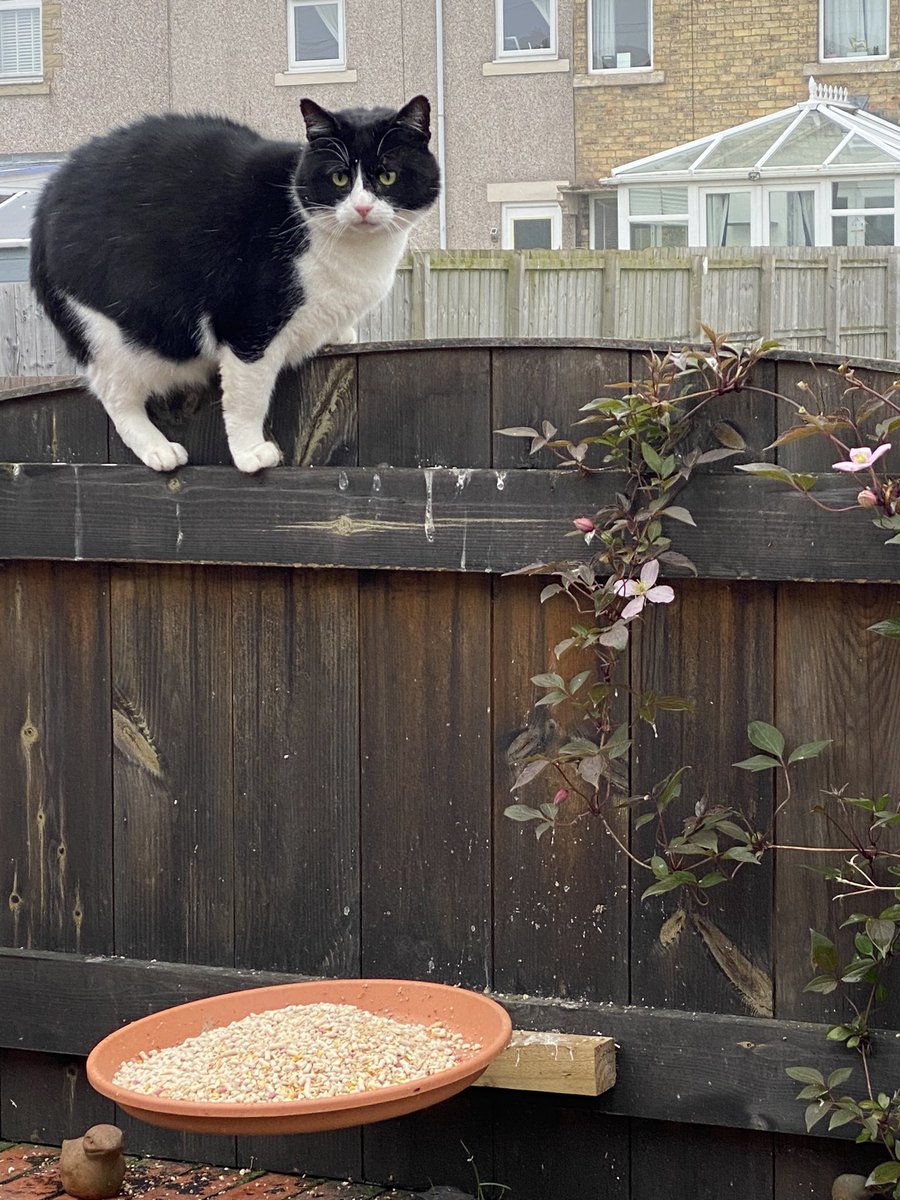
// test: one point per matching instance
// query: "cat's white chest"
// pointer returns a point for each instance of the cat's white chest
(342, 279)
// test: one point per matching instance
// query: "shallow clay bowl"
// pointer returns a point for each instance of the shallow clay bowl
(476, 1017)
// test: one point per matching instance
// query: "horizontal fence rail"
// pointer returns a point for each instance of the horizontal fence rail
(841, 299)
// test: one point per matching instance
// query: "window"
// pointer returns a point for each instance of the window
(315, 35)
(728, 219)
(853, 29)
(605, 222)
(862, 213)
(792, 218)
(21, 55)
(619, 34)
(532, 227)
(658, 216)
(526, 28)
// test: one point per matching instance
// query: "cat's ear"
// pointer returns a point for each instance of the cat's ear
(319, 123)
(415, 116)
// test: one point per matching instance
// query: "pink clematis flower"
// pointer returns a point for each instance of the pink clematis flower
(861, 457)
(586, 526)
(867, 499)
(643, 590)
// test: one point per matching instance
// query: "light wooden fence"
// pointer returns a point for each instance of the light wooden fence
(842, 300)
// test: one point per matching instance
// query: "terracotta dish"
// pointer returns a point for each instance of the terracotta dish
(478, 1018)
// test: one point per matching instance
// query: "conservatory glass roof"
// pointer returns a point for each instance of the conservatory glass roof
(819, 134)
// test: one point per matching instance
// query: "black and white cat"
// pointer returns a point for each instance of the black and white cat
(184, 245)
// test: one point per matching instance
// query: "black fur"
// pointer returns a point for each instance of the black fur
(176, 217)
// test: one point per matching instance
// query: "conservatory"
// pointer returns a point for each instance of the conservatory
(822, 173)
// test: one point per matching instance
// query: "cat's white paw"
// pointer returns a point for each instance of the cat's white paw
(266, 454)
(165, 457)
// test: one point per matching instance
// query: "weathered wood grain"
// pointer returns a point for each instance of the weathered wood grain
(444, 520)
(697, 1068)
(561, 903)
(47, 1097)
(573, 1064)
(296, 821)
(712, 645)
(835, 680)
(702, 1163)
(55, 846)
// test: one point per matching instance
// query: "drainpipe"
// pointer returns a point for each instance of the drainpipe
(441, 153)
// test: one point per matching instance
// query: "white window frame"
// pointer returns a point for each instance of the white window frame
(831, 212)
(592, 221)
(626, 220)
(855, 57)
(35, 6)
(315, 64)
(592, 70)
(756, 226)
(504, 55)
(531, 212)
(788, 185)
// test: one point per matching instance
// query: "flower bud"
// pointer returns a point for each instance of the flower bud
(584, 524)
(867, 499)
(561, 796)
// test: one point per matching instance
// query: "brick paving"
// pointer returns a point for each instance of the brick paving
(30, 1173)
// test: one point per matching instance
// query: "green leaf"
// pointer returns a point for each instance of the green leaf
(765, 737)
(662, 885)
(521, 812)
(886, 1172)
(889, 628)
(578, 681)
(644, 819)
(843, 1116)
(806, 1075)
(857, 970)
(766, 471)
(529, 772)
(741, 854)
(808, 750)
(651, 458)
(659, 867)
(550, 590)
(759, 762)
(677, 513)
(838, 1033)
(541, 829)
(728, 436)
(881, 933)
(822, 952)
(841, 1075)
(814, 1114)
(712, 879)
(518, 431)
(616, 637)
(823, 984)
(550, 680)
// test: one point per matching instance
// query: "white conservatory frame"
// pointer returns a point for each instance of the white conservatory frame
(876, 144)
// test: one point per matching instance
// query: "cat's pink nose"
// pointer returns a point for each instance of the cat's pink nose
(363, 208)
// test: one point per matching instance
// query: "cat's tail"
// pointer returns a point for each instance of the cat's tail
(51, 299)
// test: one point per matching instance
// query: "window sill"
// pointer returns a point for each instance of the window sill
(849, 66)
(310, 78)
(631, 78)
(526, 66)
(24, 89)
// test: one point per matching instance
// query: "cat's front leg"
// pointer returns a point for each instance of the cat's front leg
(246, 393)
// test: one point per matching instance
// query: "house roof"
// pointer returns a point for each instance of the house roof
(825, 134)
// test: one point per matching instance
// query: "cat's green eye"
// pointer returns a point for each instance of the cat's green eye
(386, 178)
(340, 178)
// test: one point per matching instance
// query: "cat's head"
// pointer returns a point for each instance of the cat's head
(366, 170)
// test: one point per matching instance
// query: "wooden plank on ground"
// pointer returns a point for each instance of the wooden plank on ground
(433, 519)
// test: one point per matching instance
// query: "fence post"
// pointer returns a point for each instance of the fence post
(892, 316)
(421, 287)
(609, 316)
(833, 303)
(516, 299)
(699, 267)
(766, 295)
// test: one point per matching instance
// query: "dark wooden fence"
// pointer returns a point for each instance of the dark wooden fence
(263, 727)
